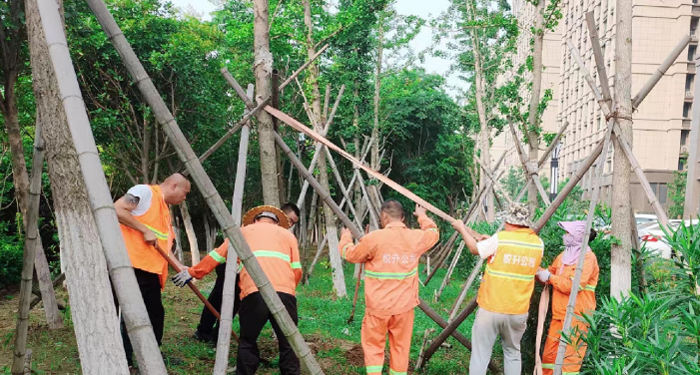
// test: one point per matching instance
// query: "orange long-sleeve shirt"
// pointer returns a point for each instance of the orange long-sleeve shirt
(213, 259)
(277, 252)
(563, 279)
(391, 258)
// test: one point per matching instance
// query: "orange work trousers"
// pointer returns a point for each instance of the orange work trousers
(374, 332)
(575, 351)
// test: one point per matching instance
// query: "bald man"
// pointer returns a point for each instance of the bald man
(144, 215)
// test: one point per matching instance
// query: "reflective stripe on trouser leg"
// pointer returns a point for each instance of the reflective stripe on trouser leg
(573, 358)
(400, 332)
(374, 331)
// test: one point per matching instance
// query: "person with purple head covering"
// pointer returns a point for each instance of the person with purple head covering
(561, 276)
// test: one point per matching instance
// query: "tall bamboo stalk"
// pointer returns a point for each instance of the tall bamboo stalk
(205, 185)
(450, 269)
(530, 169)
(447, 332)
(121, 272)
(223, 344)
(30, 247)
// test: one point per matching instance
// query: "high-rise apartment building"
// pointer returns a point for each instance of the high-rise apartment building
(661, 123)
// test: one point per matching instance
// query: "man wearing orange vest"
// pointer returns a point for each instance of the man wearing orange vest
(391, 258)
(514, 256)
(144, 216)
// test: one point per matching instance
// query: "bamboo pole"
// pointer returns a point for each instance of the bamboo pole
(373, 210)
(121, 272)
(456, 334)
(205, 185)
(30, 247)
(598, 53)
(301, 69)
(319, 138)
(419, 361)
(621, 139)
(246, 119)
(223, 344)
(450, 269)
(447, 332)
(551, 146)
(319, 250)
(494, 180)
(660, 71)
(339, 179)
(582, 256)
(530, 169)
(353, 180)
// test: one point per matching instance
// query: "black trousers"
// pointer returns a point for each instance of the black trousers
(208, 320)
(149, 284)
(254, 315)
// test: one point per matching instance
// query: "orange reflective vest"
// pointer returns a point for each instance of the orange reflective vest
(144, 256)
(391, 256)
(277, 251)
(562, 279)
(509, 278)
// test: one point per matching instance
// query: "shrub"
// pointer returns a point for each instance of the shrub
(11, 249)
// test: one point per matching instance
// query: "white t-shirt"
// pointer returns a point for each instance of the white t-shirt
(488, 246)
(144, 193)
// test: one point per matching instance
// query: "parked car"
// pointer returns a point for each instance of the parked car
(653, 237)
(645, 218)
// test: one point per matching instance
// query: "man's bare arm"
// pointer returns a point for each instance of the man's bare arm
(124, 206)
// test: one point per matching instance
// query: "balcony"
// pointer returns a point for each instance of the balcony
(689, 95)
(686, 124)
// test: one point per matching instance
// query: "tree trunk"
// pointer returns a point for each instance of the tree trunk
(356, 126)
(92, 305)
(331, 230)
(20, 178)
(533, 118)
(175, 222)
(263, 85)
(485, 130)
(621, 257)
(191, 235)
(207, 234)
(377, 87)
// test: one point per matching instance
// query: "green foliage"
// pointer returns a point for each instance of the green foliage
(11, 250)
(676, 194)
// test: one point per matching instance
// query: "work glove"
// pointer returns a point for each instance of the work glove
(182, 278)
(543, 275)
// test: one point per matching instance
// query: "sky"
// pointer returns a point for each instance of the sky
(422, 41)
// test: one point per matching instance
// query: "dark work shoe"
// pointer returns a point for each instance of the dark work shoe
(209, 338)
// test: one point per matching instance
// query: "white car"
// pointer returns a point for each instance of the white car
(653, 237)
(645, 218)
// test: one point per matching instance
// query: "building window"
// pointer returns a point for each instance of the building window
(692, 49)
(661, 191)
(689, 84)
(684, 137)
(687, 109)
(681, 164)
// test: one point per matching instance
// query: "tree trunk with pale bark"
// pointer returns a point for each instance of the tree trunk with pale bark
(485, 130)
(621, 252)
(20, 177)
(92, 305)
(263, 86)
(533, 118)
(191, 235)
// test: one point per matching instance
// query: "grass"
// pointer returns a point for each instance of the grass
(322, 321)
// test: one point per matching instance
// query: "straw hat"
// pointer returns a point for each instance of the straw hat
(516, 214)
(271, 212)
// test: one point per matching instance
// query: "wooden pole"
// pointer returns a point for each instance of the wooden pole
(205, 185)
(456, 334)
(493, 179)
(556, 140)
(339, 179)
(530, 169)
(30, 247)
(301, 69)
(691, 204)
(447, 332)
(319, 138)
(582, 257)
(319, 250)
(450, 269)
(660, 71)
(121, 272)
(223, 344)
(373, 210)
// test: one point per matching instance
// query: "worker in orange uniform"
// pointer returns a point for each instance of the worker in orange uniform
(561, 275)
(514, 256)
(391, 258)
(144, 216)
(275, 247)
